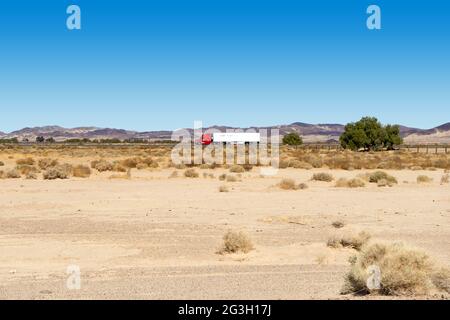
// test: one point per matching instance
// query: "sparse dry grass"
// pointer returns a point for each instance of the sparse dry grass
(46, 163)
(12, 174)
(102, 165)
(234, 242)
(441, 279)
(25, 161)
(61, 171)
(288, 184)
(445, 179)
(237, 168)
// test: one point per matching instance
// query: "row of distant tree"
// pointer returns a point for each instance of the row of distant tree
(365, 134)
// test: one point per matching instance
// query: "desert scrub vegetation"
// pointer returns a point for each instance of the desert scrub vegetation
(26, 161)
(322, 176)
(424, 179)
(223, 189)
(338, 224)
(237, 168)
(2, 163)
(236, 242)
(403, 271)
(12, 174)
(24, 169)
(191, 173)
(441, 279)
(46, 163)
(381, 178)
(350, 183)
(102, 165)
(61, 171)
(81, 171)
(354, 241)
(290, 184)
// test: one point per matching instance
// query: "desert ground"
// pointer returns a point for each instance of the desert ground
(149, 233)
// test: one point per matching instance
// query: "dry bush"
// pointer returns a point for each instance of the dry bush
(247, 167)
(232, 178)
(236, 242)
(117, 167)
(384, 183)
(237, 168)
(416, 168)
(204, 166)
(288, 184)
(61, 171)
(102, 165)
(283, 164)
(141, 166)
(47, 163)
(322, 176)
(338, 224)
(81, 171)
(223, 189)
(24, 169)
(223, 177)
(349, 240)
(352, 183)
(130, 162)
(424, 179)
(302, 186)
(12, 174)
(297, 164)
(441, 279)
(313, 160)
(445, 179)
(28, 161)
(376, 176)
(191, 173)
(31, 176)
(404, 271)
(2, 163)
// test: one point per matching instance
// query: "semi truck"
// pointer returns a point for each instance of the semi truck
(231, 137)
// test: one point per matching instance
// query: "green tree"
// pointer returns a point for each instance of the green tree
(292, 139)
(369, 134)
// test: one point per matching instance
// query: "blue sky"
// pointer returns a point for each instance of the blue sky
(161, 64)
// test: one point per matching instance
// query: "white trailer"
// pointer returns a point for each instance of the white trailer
(236, 137)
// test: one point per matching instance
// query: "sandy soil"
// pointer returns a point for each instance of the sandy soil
(152, 237)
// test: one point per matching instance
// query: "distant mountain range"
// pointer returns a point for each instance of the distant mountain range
(309, 132)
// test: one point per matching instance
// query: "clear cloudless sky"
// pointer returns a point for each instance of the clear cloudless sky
(161, 64)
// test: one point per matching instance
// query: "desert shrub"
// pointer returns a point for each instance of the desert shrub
(247, 167)
(283, 164)
(117, 167)
(2, 174)
(81, 171)
(126, 176)
(2, 163)
(204, 166)
(236, 242)
(24, 169)
(102, 165)
(338, 224)
(384, 183)
(288, 184)
(237, 168)
(416, 168)
(61, 171)
(297, 164)
(445, 178)
(441, 279)
(141, 166)
(47, 163)
(322, 176)
(302, 186)
(28, 161)
(403, 271)
(12, 174)
(352, 183)
(232, 178)
(376, 176)
(223, 189)
(130, 162)
(223, 177)
(315, 161)
(191, 173)
(180, 166)
(31, 176)
(349, 240)
(424, 179)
